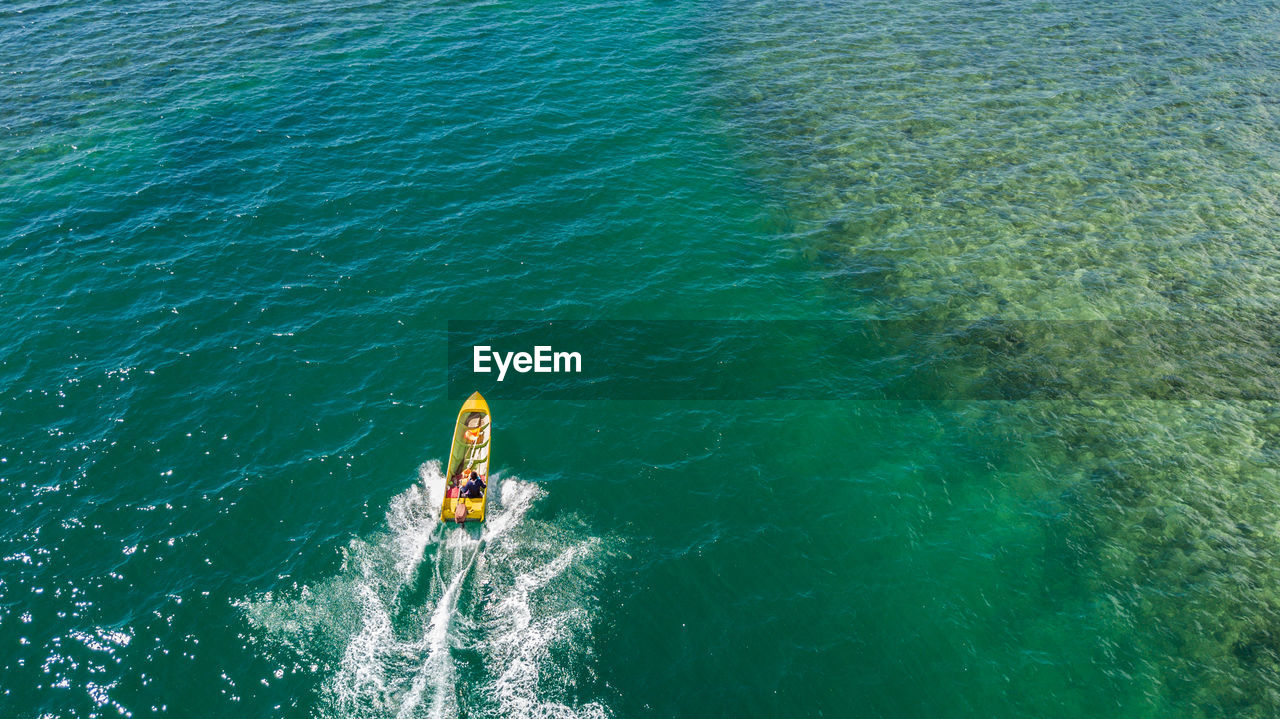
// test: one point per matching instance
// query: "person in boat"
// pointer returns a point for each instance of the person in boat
(474, 488)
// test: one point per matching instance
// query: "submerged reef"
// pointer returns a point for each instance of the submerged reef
(968, 166)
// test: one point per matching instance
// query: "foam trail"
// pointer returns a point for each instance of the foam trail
(362, 668)
(438, 668)
(413, 515)
(361, 680)
(437, 671)
(389, 623)
(374, 572)
(514, 498)
(521, 647)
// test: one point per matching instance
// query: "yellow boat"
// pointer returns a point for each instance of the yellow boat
(472, 434)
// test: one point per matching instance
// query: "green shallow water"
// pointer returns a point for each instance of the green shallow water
(233, 236)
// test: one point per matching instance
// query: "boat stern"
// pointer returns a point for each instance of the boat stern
(475, 509)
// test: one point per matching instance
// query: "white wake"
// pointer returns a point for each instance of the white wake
(386, 629)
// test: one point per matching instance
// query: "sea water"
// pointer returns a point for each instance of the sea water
(232, 235)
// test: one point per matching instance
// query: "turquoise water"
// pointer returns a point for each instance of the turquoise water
(233, 234)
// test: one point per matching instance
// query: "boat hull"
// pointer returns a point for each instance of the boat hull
(472, 439)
